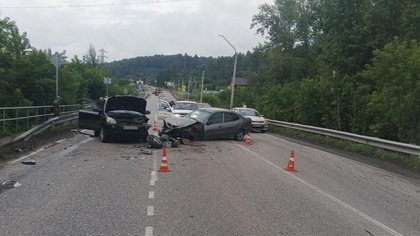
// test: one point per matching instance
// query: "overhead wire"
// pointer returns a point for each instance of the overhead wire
(94, 5)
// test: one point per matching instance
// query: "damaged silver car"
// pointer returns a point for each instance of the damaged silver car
(207, 124)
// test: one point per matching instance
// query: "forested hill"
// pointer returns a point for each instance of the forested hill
(161, 68)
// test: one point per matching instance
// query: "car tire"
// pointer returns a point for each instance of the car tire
(96, 133)
(103, 136)
(263, 131)
(239, 135)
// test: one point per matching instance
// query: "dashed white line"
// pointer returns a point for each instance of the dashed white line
(151, 194)
(149, 231)
(150, 210)
(153, 179)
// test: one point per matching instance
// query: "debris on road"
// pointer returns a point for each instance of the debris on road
(147, 152)
(10, 184)
(29, 162)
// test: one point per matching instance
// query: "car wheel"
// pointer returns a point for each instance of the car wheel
(103, 135)
(239, 135)
(263, 131)
(96, 133)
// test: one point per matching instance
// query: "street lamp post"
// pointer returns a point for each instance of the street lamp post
(234, 73)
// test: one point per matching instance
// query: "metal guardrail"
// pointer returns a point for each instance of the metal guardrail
(46, 125)
(377, 142)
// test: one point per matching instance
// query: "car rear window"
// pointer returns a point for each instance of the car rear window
(185, 106)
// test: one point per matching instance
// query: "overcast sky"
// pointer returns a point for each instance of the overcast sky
(131, 28)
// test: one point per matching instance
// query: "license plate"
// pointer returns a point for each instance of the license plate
(130, 127)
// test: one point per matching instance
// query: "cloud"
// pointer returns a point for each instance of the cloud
(126, 29)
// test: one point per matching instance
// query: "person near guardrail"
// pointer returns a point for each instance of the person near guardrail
(56, 106)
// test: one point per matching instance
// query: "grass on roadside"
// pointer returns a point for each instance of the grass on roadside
(411, 162)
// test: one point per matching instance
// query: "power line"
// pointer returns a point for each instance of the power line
(96, 5)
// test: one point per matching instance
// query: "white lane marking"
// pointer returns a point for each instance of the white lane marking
(155, 168)
(59, 141)
(151, 194)
(149, 231)
(150, 210)
(153, 178)
(325, 194)
(30, 154)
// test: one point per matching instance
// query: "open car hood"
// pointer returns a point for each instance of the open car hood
(128, 103)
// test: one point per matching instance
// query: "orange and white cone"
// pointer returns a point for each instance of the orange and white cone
(291, 165)
(155, 129)
(248, 139)
(164, 164)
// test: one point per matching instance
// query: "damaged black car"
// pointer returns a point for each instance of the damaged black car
(119, 117)
(207, 124)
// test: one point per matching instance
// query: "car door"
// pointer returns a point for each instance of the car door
(213, 126)
(89, 115)
(164, 109)
(231, 124)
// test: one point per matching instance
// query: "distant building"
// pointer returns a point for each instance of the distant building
(239, 82)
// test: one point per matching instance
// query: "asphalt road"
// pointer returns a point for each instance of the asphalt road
(80, 186)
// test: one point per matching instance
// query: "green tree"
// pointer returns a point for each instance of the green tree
(394, 106)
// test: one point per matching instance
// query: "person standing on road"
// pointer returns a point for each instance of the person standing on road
(56, 106)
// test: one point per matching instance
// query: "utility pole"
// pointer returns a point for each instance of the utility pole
(202, 82)
(188, 88)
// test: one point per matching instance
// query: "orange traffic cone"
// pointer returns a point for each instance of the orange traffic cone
(248, 139)
(164, 164)
(155, 129)
(291, 165)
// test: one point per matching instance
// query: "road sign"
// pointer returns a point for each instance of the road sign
(107, 80)
(57, 60)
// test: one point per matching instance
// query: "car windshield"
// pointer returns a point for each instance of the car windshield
(203, 105)
(199, 115)
(185, 106)
(249, 112)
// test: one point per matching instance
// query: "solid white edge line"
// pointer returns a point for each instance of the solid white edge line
(150, 210)
(30, 154)
(325, 194)
(59, 141)
(149, 231)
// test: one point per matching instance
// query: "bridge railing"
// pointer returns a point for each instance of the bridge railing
(14, 120)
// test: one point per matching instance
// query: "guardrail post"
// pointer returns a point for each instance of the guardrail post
(4, 121)
(17, 120)
(27, 120)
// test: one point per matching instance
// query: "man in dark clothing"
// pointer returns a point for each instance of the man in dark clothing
(56, 106)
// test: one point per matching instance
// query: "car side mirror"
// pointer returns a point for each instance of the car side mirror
(147, 112)
(97, 109)
(209, 122)
(168, 109)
